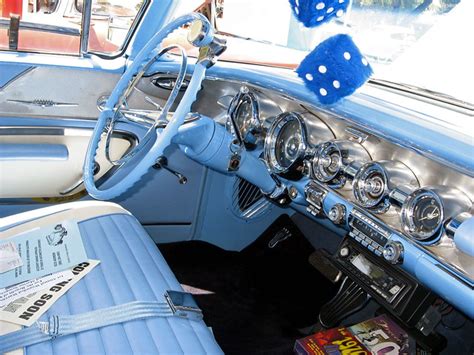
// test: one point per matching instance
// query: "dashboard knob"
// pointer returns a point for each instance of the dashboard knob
(393, 252)
(293, 192)
(344, 252)
(337, 213)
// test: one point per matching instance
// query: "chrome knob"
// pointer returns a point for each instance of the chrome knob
(293, 192)
(337, 213)
(344, 252)
(393, 252)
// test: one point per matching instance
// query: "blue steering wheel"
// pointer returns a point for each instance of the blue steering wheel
(149, 149)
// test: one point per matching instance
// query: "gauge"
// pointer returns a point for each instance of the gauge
(422, 214)
(370, 185)
(244, 114)
(332, 157)
(374, 181)
(327, 162)
(285, 144)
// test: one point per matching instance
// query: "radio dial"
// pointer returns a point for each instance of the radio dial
(344, 252)
(393, 252)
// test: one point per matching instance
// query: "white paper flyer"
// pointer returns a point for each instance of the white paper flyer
(27, 309)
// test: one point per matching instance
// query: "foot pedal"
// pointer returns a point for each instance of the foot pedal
(349, 299)
(282, 234)
(321, 260)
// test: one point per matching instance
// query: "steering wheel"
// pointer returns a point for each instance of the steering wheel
(145, 154)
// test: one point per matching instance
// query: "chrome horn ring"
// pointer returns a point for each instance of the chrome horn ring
(143, 118)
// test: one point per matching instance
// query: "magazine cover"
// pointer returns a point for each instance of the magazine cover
(377, 336)
(381, 335)
(331, 341)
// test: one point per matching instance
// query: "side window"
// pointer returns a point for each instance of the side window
(111, 23)
(39, 26)
(54, 26)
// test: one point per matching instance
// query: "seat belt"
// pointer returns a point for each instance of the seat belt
(179, 304)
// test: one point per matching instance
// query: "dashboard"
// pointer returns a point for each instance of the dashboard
(388, 197)
(401, 199)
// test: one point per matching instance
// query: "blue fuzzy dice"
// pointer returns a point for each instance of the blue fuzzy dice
(334, 69)
(313, 13)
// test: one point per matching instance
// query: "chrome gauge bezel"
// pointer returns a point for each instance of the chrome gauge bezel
(271, 141)
(250, 133)
(319, 163)
(408, 214)
(339, 154)
(379, 203)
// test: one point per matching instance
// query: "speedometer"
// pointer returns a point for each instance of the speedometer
(285, 144)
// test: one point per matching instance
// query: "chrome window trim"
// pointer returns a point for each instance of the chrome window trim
(85, 27)
(128, 38)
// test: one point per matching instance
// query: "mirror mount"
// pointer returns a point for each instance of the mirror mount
(212, 10)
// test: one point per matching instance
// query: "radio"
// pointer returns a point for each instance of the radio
(390, 286)
(368, 232)
(385, 284)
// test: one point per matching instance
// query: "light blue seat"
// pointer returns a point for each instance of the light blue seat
(132, 268)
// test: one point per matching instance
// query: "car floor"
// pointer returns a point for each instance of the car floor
(254, 300)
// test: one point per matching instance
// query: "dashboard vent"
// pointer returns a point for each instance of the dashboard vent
(247, 199)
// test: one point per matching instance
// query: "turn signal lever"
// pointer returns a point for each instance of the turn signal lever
(162, 163)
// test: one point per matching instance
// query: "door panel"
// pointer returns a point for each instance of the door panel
(55, 92)
(41, 165)
(46, 108)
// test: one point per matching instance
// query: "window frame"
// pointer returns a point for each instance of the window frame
(138, 18)
(84, 36)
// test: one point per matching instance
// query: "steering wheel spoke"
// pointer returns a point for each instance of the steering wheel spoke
(161, 125)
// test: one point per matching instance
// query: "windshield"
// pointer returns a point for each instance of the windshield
(423, 43)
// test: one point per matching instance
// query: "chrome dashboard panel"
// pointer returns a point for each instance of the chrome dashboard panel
(428, 171)
(424, 165)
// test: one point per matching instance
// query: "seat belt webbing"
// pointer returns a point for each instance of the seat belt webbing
(58, 326)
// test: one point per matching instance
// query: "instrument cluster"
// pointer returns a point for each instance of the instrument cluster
(295, 145)
(379, 187)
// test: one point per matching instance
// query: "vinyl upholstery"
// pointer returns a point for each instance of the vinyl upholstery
(131, 268)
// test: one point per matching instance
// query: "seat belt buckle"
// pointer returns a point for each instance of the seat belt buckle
(183, 305)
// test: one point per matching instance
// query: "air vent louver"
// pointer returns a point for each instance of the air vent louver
(247, 199)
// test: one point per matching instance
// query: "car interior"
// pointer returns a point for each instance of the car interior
(205, 203)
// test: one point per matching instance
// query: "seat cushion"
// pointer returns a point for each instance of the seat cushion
(131, 268)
